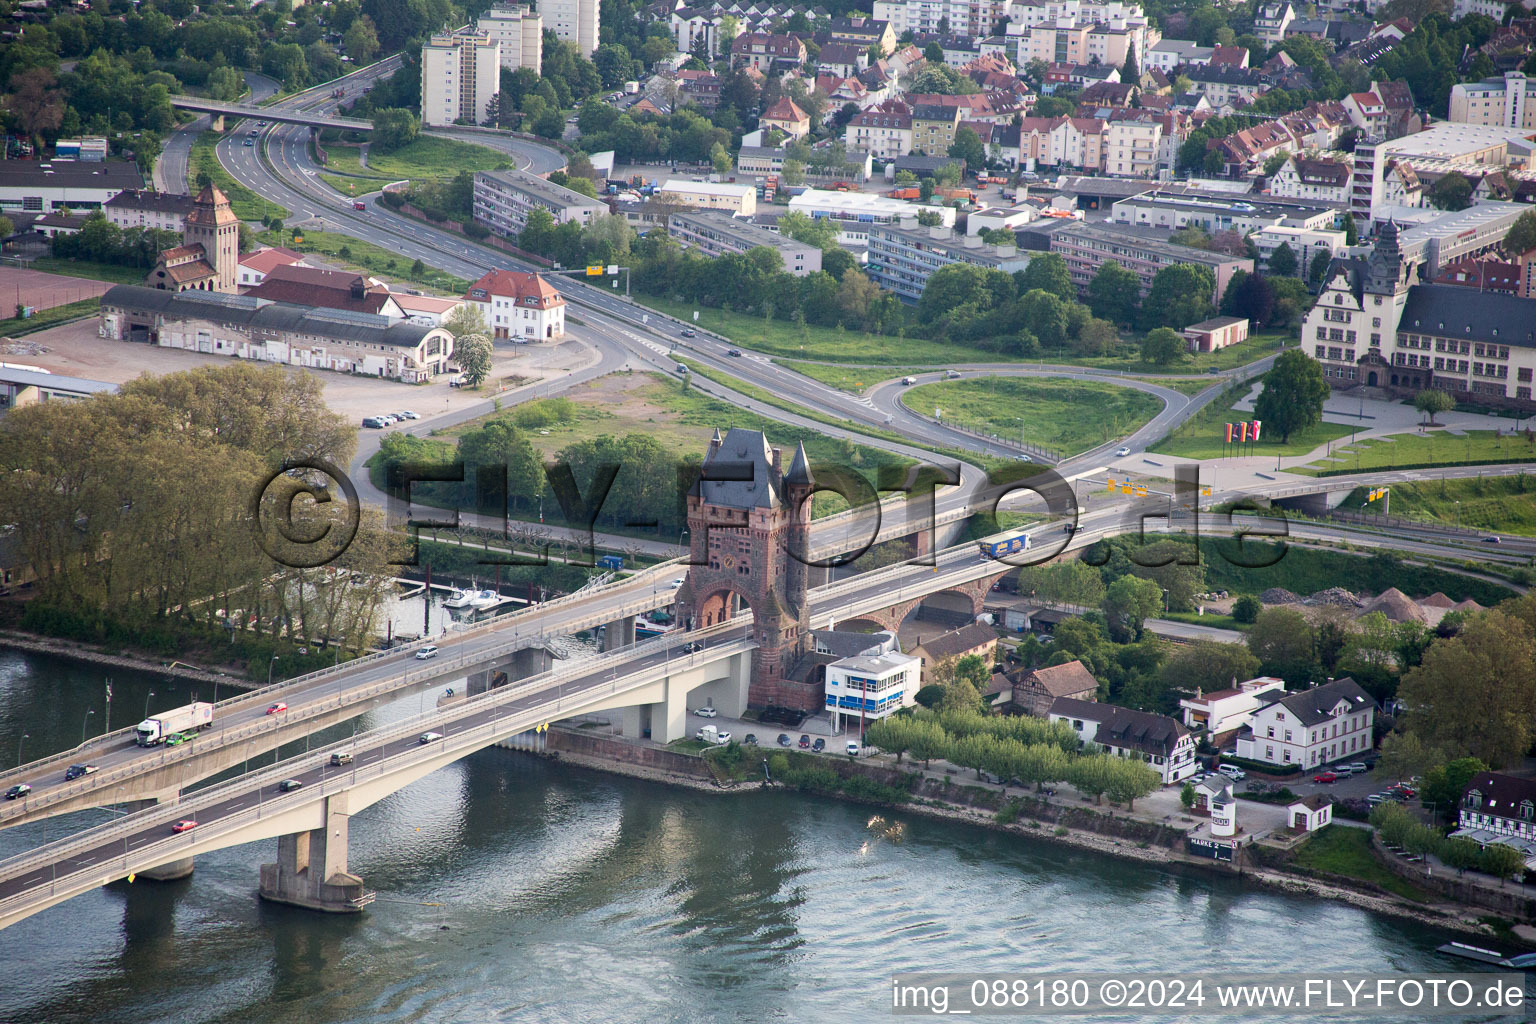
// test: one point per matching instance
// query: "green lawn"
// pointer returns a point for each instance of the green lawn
(1436, 448)
(1183, 385)
(1202, 435)
(1342, 850)
(367, 257)
(45, 318)
(246, 204)
(91, 270)
(849, 378)
(425, 158)
(1065, 415)
(1498, 504)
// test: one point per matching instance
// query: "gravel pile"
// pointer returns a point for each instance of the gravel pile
(1336, 596)
(1278, 595)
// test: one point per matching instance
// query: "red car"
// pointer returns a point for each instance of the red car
(273, 709)
(1325, 777)
(186, 825)
(1407, 791)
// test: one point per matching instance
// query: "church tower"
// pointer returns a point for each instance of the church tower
(748, 527)
(214, 226)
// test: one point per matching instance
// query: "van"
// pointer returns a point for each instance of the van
(909, 380)
(853, 749)
(1232, 772)
(345, 757)
(373, 421)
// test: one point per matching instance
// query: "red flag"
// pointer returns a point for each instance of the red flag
(1242, 431)
(1229, 433)
(1256, 425)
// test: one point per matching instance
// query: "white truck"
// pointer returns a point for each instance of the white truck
(155, 729)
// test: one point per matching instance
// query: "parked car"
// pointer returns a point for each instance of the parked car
(819, 745)
(805, 742)
(1325, 777)
(373, 422)
(275, 707)
(428, 737)
(750, 739)
(705, 712)
(429, 651)
(344, 757)
(1376, 798)
(1408, 792)
(783, 739)
(1232, 772)
(76, 771)
(1123, 451)
(21, 789)
(289, 785)
(184, 825)
(722, 737)
(853, 749)
(408, 415)
(1359, 767)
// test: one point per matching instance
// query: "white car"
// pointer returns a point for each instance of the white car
(1123, 451)
(705, 712)
(679, 581)
(408, 415)
(1232, 772)
(722, 737)
(853, 749)
(429, 737)
(429, 651)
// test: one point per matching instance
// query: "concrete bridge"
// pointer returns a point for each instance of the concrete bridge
(284, 115)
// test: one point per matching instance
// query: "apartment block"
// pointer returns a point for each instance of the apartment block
(719, 234)
(1087, 247)
(460, 73)
(519, 30)
(503, 200)
(709, 195)
(1507, 102)
(574, 21)
(902, 257)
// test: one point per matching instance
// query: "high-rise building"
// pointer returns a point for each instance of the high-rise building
(574, 21)
(460, 74)
(519, 30)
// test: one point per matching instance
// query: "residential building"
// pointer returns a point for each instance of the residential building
(255, 266)
(902, 258)
(1170, 210)
(503, 200)
(1223, 84)
(1313, 727)
(866, 32)
(328, 289)
(520, 31)
(1309, 178)
(1499, 809)
(717, 233)
(976, 639)
(1168, 54)
(426, 309)
(1225, 711)
(460, 75)
(1305, 244)
(1469, 148)
(857, 212)
(1035, 691)
(1506, 102)
(868, 688)
(1494, 9)
(209, 258)
(248, 327)
(1271, 20)
(934, 127)
(574, 21)
(64, 185)
(882, 134)
(1485, 274)
(141, 208)
(1087, 247)
(969, 18)
(1216, 333)
(842, 60)
(519, 307)
(786, 115)
(695, 27)
(1131, 146)
(709, 195)
(1162, 742)
(1309, 813)
(766, 52)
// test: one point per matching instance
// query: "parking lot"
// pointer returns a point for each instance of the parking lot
(816, 727)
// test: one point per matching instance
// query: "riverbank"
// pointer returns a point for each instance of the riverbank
(73, 650)
(1441, 915)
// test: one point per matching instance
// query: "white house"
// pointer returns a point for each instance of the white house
(869, 688)
(1498, 808)
(1307, 178)
(519, 307)
(1317, 726)
(1158, 740)
(1309, 813)
(1222, 711)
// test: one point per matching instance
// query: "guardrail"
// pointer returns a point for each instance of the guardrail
(438, 719)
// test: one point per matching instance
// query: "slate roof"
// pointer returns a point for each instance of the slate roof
(1312, 707)
(742, 453)
(843, 644)
(1061, 680)
(1124, 728)
(1502, 793)
(1452, 311)
(143, 199)
(958, 642)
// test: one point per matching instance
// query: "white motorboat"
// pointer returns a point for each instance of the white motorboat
(459, 599)
(484, 599)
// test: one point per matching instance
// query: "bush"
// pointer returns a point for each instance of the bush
(1246, 608)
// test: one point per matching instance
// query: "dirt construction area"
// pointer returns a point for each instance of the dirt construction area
(75, 349)
(43, 291)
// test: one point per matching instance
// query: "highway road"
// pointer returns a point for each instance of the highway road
(171, 169)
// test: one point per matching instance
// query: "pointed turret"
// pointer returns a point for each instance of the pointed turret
(800, 469)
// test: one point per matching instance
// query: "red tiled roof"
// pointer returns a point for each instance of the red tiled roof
(516, 285)
(269, 259)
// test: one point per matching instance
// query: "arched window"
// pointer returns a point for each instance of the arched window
(1473, 799)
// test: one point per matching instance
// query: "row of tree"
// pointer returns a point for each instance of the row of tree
(1399, 828)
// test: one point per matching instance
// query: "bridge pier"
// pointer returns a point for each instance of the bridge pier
(168, 872)
(311, 868)
(218, 122)
(619, 633)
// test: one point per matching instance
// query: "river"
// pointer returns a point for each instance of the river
(517, 889)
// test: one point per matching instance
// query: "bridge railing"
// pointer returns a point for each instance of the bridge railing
(565, 702)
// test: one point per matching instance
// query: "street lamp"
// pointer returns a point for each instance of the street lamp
(269, 669)
(85, 723)
(148, 695)
(24, 737)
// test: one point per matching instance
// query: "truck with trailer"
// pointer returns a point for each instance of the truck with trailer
(156, 729)
(1006, 546)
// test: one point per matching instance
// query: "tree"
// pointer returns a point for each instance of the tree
(1246, 608)
(1250, 296)
(473, 354)
(1162, 346)
(929, 218)
(466, 320)
(794, 172)
(1209, 665)
(1113, 293)
(1461, 854)
(1522, 235)
(720, 158)
(1130, 780)
(1128, 70)
(1293, 394)
(1281, 638)
(1351, 233)
(1444, 784)
(929, 697)
(35, 101)
(1187, 796)
(967, 146)
(1096, 338)
(1047, 271)
(1502, 861)
(1128, 602)
(933, 53)
(1452, 192)
(1319, 268)
(361, 40)
(1432, 401)
(1282, 262)
(393, 128)
(1180, 295)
